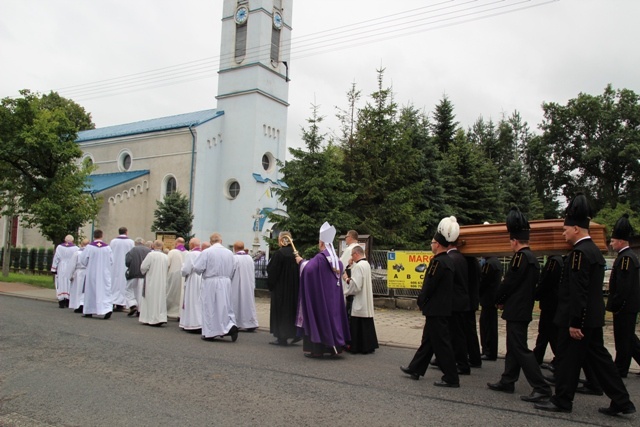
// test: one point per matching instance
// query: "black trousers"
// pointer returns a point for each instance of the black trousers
(591, 352)
(520, 357)
(489, 331)
(459, 340)
(547, 334)
(436, 340)
(471, 335)
(626, 340)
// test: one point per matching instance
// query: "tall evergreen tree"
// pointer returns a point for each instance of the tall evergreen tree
(470, 183)
(444, 126)
(173, 214)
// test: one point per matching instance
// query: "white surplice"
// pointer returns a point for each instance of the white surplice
(174, 282)
(243, 286)
(76, 292)
(96, 257)
(216, 266)
(63, 267)
(119, 247)
(191, 308)
(153, 304)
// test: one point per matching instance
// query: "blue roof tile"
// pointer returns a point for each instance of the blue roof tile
(152, 125)
(100, 182)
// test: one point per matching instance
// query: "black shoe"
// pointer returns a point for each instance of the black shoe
(550, 407)
(107, 316)
(536, 397)
(550, 379)
(249, 329)
(446, 384)
(586, 390)
(87, 315)
(464, 371)
(233, 332)
(66, 302)
(132, 310)
(506, 388)
(490, 358)
(548, 366)
(157, 325)
(413, 375)
(203, 338)
(118, 308)
(614, 410)
(61, 303)
(78, 310)
(313, 355)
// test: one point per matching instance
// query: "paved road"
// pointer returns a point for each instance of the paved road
(57, 368)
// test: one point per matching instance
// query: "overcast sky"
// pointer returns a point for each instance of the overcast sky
(488, 56)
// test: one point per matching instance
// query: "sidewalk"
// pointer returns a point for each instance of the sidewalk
(395, 327)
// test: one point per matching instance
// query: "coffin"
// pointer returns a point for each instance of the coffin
(545, 239)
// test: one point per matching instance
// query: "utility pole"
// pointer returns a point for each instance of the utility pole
(6, 260)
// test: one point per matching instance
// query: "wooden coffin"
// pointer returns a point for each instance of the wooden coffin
(546, 238)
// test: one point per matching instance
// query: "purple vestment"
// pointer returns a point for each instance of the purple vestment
(322, 316)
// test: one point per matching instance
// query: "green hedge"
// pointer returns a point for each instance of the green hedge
(36, 260)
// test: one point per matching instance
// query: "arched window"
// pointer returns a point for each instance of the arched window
(170, 186)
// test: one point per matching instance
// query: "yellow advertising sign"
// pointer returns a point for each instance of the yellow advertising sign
(406, 269)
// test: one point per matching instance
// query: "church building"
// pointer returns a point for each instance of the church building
(223, 159)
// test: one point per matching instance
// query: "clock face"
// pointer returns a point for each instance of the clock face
(277, 20)
(242, 13)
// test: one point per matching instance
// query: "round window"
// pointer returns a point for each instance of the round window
(233, 189)
(267, 161)
(125, 161)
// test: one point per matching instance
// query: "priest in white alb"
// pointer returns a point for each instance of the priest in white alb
(97, 258)
(119, 247)
(243, 286)
(63, 269)
(191, 308)
(216, 266)
(175, 279)
(76, 291)
(153, 304)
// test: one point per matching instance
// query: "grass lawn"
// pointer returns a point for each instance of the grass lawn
(42, 281)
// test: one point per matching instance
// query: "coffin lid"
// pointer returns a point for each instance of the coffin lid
(546, 238)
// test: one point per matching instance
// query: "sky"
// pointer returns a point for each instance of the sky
(132, 60)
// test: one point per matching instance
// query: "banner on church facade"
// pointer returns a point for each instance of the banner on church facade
(406, 269)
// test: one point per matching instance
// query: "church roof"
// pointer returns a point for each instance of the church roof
(103, 181)
(151, 125)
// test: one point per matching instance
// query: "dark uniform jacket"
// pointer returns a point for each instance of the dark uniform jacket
(517, 289)
(489, 281)
(436, 296)
(473, 282)
(624, 283)
(547, 290)
(580, 300)
(460, 281)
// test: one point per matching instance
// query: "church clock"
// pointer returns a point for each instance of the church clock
(277, 20)
(241, 15)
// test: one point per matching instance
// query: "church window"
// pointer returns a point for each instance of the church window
(87, 161)
(267, 161)
(170, 185)
(233, 189)
(124, 161)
